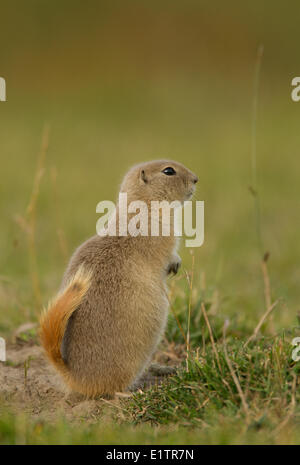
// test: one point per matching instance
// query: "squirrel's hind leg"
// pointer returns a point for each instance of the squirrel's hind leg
(161, 370)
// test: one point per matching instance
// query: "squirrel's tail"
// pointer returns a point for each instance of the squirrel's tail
(54, 319)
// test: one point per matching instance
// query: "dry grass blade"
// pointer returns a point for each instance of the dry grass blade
(31, 217)
(211, 336)
(253, 188)
(190, 304)
(39, 172)
(234, 377)
(267, 287)
(190, 283)
(28, 223)
(260, 323)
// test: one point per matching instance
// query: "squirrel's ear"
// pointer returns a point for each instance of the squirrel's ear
(143, 176)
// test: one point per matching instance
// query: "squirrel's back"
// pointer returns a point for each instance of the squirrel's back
(103, 328)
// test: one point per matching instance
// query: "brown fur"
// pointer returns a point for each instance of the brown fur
(101, 336)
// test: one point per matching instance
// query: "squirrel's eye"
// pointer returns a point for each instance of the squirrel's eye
(169, 171)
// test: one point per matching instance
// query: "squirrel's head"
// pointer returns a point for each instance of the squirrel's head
(159, 180)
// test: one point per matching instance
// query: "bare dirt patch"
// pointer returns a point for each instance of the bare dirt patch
(29, 384)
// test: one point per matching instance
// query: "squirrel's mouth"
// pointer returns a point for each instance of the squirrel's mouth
(189, 194)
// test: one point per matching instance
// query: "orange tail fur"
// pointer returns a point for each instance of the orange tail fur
(54, 319)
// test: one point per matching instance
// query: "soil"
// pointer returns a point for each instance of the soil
(28, 383)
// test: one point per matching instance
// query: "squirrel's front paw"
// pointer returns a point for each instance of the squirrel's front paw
(174, 265)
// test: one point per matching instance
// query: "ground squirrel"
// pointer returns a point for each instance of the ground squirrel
(102, 329)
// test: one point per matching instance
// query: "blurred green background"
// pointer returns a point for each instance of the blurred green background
(128, 81)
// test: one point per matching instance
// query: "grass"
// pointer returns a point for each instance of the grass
(234, 387)
(238, 387)
(264, 374)
(200, 405)
(237, 383)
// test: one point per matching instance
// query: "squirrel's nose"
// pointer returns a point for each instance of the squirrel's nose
(195, 179)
